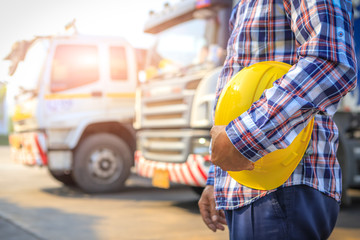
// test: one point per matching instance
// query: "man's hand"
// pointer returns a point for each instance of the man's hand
(212, 218)
(224, 154)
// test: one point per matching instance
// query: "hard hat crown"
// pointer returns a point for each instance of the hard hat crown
(246, 87)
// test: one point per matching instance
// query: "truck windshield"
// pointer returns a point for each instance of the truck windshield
(186, 44)
(76, 65)
(28, 72)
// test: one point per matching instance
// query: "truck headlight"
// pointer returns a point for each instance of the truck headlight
(200, 146)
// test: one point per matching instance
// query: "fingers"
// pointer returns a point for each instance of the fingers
(213, 219)
(218, 222)
(208, 221)
(206, 216)
(205, 208)
(222, 217)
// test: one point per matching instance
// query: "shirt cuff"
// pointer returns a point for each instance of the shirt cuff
(248, 139)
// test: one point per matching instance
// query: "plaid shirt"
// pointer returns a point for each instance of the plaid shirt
(316, 37)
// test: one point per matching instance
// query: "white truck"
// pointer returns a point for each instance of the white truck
(174, 105)
(75, 108)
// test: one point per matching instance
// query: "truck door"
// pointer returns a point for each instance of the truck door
(120, 82)
(75, 88)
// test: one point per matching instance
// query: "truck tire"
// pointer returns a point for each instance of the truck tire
(102, 163)
(65, 178)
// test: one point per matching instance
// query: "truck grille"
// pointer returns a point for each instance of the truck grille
(163, 118)
(167, 104)
(167, 145)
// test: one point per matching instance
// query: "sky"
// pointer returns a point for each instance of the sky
(24, 19)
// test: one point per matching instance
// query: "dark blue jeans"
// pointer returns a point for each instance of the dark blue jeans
(296, 212)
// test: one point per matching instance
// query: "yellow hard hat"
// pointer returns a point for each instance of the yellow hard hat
(246, 87)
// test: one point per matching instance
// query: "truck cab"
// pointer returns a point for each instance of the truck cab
(174, 105)
(75, 107)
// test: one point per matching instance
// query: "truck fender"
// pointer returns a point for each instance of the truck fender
(75, 135)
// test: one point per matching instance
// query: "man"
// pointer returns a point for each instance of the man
(316, 37)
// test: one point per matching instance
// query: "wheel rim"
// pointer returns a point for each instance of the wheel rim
(105, 165)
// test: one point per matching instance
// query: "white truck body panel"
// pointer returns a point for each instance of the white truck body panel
(63, 115)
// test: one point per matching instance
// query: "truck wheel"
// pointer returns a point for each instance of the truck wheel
(102, 163)
(65, 178)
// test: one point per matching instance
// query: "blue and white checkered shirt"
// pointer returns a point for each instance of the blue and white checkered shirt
(316, 37)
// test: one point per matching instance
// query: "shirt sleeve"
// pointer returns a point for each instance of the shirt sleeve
(211, 175)
(324, 73)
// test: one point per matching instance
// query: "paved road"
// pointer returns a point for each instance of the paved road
(33, 206)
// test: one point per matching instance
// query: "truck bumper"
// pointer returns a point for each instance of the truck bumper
(193, 172)
(28, 148)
